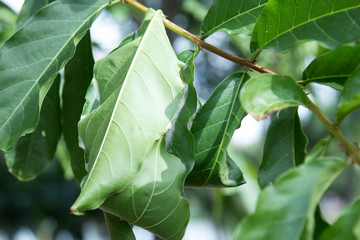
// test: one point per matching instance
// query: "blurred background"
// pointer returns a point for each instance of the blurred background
(39, 209)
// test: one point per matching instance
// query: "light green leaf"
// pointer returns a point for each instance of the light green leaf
(128, 166)
(285, 210)
(78, 75)
(334, 67)
(285, 146)
(282, 22)
(34, 151)
(117, 228)
(7, 22)
(233, 16)
(350, 96)
(265, 94)
(347, 226)
(180, 140)
(30, 60)
(213, 128)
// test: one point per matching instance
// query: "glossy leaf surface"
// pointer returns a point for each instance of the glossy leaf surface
(282, 22)
(233, 16)
(350, 96)
(78, 75)
(284, 147)
(34, 151)
(347, 226)
(334, 67)
(128, 166)
(285, 210)
(117, 228)
(213, 128)
(265, 94)
(47, 40)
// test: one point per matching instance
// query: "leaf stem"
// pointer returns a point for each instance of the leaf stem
(334, 130)
(198, 41)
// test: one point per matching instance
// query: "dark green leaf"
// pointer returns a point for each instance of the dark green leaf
(334, 67)
(34, 151)
(284, 147)
(78, 75)
(320, 223)
(233, 16)
(117, 228)
(30, 60)
(347, 226)
(350, 96)
(285, 210)
(213, 128)
(181, 140)
(267, 93)
(282, 22)
(130, 174)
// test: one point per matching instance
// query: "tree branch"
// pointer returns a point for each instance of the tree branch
(198, 41)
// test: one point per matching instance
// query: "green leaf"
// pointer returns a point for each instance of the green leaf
(28, 9)
(117, 228)
(319, 149)
(265, 94)
(128, 166)
(78, 75)
(154, 200)
(320, 223)
(7, 22)
(282, 22)
(286, 209)
(30, 60)
(347, 226)
(213, 128)
(180, 140)
(350, 96)
(233, 16)
(285, 146)
(334, 67)
(34, 151)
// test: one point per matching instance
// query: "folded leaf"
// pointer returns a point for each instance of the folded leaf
(130, 174)
(334, 67)
(155, 200)
(233, 16)
(286, 209)
(34, 151)
(265, 94)
(213, 128)
(282, 22)
(78, 75)
(180, 140)
(117, 228)
(350, 96)
(347, 226)
(47, 40)
(285, 146)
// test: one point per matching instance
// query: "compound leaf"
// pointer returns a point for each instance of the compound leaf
(282, 22)
(292, 199)
(233, 16)
(213, 128)
(267, 93)
(31, 58)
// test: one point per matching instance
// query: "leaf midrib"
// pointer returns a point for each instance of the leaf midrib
(306, 22)
(52, 61)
